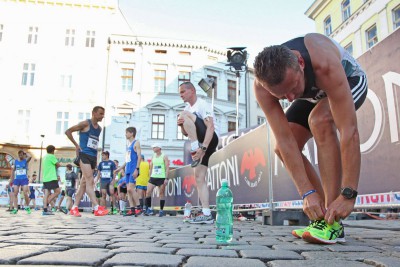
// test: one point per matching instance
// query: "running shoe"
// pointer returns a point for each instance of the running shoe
(64, 210)
(75, 212)
(161, 213)
(187, 218)
(114, 211)
(45, 213)
(323, 233)
(28, 210)
(14, 211)
(201, 218)
(138, 212)
(149, 212)
(130, 213)
(101, 211)
(54, 209)
(299, 232)
(36, 208)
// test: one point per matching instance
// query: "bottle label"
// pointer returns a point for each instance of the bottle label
(221, 231)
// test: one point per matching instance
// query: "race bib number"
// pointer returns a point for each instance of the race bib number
(105, 174)
(92, 143)
(157, 170)
(20, 172)
(128, 156)
(68, 183)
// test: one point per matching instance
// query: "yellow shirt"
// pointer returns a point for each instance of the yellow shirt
(144, 174)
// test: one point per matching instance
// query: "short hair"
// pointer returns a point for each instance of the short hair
(115, 160)
(50, 149)
(188, 85)
(21, 152)
(270, 65)
(96, 108)
(106, 153)
(132, 130)
(142, 156)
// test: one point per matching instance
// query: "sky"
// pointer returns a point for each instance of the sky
(254, 24)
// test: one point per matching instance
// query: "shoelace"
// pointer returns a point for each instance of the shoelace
(320, 225)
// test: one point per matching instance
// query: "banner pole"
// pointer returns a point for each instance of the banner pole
(270, 191)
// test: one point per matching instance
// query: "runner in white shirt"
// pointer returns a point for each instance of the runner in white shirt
(197, 122)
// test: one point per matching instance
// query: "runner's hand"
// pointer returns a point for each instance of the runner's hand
(199, 153)
(314, 207)
(340, 208)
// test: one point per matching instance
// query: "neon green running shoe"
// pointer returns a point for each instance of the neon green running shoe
(299, 232)
(14, 211)
(115, 212)
(28, 210)
(323, 233)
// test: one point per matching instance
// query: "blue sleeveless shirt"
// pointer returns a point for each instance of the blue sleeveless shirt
(131, 159)
(89, 141)
(21, 169)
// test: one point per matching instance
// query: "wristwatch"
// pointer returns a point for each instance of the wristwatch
(348, 192)
(204, 148)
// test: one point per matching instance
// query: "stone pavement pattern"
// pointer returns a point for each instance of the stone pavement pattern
(63, 240)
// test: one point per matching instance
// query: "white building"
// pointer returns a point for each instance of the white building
(59, 59)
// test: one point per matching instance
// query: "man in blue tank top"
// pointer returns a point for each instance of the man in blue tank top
(326, 86)
(131, 165)
(86, 150)
(19, 179)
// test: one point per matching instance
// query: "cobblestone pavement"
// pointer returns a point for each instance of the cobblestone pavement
(153, 241)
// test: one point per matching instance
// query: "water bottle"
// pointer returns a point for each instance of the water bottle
(188, 209)
(224, 221)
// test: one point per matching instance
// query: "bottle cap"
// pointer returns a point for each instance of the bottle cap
(224, 182)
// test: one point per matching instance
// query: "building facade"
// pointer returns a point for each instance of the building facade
(357, 25)
(59, 59)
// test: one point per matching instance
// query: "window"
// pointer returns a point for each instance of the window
(346, 13)
(159, 81)
(232, 91)
(160, 51)
(83, 116)
(184, 53)
(127, 80)
(209, 92)
(285, 103)
(65, 81)
(90, 37)
(231, 126)
(129, 50)
(33, 35)
(69, 37)
(157, 126)
(1, 32)
(180, 135)
(28, 74)
(23, 121)
(62, 122)
(396, 18)
(371, 36)
(349, 48)
(327, 26)
(260, 120)
(184, 76)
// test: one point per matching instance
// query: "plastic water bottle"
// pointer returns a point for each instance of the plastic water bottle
(188, 209)
(224, 221)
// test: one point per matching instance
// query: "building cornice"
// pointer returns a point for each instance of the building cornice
(315, 8)
(162, 42)
(92, 4)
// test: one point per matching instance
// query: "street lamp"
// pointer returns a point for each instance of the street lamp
(208, 84)
(237, 58)
(40, 162)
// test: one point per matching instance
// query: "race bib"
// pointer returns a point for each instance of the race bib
(92, 143)
(20, 172)
(68, 183)
(128, 156)
(157, 170)
(105, 174)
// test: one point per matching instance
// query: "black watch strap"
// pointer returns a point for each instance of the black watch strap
(204, 148)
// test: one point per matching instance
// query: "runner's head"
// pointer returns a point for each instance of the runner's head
(130, 132)
(98, 113)
(105, 155)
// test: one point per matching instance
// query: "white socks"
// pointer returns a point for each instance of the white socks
(194, 145)
(206, 212)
